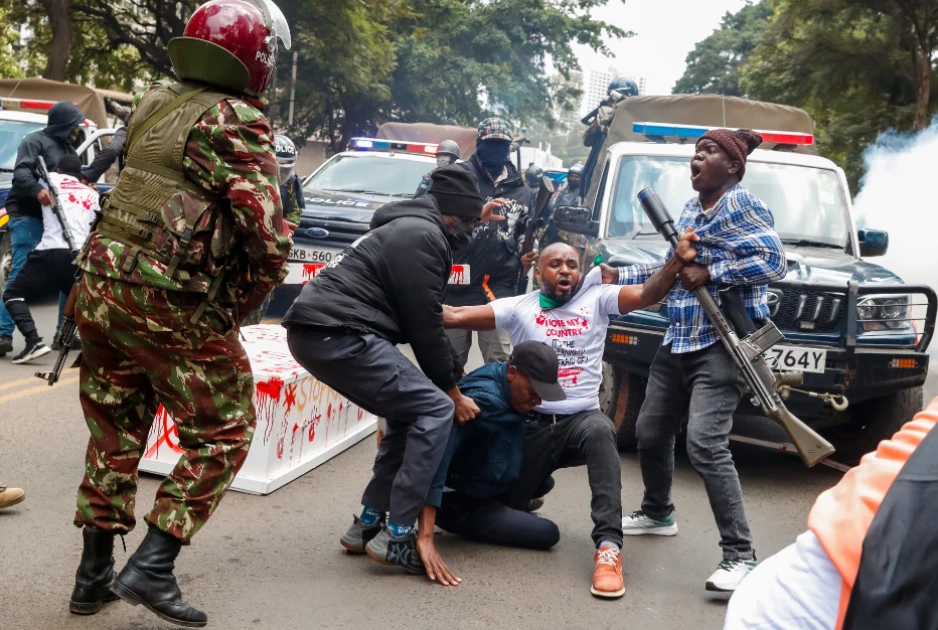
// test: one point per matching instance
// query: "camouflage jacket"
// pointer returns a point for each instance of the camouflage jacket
(229, 153)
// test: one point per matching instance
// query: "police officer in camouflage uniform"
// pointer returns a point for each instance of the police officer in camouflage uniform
(191, 238)
(291, 198)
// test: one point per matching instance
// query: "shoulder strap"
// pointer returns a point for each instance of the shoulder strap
(161, 113)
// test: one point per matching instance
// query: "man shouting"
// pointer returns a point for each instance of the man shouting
(573, 320)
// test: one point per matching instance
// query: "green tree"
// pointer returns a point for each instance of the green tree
(713, 67)
(854, 67)
(9, 42)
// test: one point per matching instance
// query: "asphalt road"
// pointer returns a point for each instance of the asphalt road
(274, 562)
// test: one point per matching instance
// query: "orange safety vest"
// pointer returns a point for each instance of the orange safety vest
(842, 515)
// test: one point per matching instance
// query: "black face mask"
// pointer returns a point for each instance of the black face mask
(573, 183)
(493, 154)
(459, 235)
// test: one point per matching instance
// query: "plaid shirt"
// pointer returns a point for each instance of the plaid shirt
(739, 246)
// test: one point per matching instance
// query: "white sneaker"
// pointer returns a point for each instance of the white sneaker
(729, 574)
(638, 524)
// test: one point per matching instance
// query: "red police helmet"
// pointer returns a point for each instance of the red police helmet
(231, 44)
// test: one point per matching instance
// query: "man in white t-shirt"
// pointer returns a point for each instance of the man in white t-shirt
(49, 266)
(572, 318)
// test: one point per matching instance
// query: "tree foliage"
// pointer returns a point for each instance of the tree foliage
(713, 66)
(854, 65)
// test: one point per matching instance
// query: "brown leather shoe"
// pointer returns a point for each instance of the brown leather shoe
(10, 496)
(607, 576)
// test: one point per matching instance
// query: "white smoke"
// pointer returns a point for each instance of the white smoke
(899, 194)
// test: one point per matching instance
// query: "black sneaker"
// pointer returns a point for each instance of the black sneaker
(359, 534)
(33, 350)
(6, 345)
(396, 551)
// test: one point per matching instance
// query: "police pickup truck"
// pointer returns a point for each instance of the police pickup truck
(19, 117)
(343, 193)
(856, 331)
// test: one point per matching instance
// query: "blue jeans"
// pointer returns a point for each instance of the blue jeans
(26, 232)
(707, 386)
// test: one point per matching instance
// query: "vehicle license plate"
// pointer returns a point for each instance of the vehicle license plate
(795, 358)
(307, 262)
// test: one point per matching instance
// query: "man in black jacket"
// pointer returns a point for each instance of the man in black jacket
(27, 196)
(386, 289)
(490, 266)
(106, 157)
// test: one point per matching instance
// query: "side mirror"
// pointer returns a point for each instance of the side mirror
(576, 219)
(873, 242)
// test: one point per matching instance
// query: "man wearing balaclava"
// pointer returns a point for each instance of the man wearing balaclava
(489, 267)
(692, 374)
(27, 195)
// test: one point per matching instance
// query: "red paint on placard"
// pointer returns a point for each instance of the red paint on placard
(267, 398)
(289, 397)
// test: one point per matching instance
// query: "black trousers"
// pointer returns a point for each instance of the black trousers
(554, 442)
(490, 521)
(44, 270)
(373, 374)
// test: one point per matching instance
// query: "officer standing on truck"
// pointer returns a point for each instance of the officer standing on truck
(692, 373)
(490, 266)
(193, 228)
(27, 196)
(447, 152)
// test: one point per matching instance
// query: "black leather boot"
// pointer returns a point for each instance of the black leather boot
(95, 573)
(148, 579)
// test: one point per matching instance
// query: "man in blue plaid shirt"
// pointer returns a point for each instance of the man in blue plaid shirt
(692, 372)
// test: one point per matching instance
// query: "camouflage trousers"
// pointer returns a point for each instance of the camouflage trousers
(139, 350)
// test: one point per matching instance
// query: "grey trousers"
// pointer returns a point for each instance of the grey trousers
(707, 386)
(493, 344)
(373, 374)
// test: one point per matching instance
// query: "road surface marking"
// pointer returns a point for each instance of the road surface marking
(36, 390)
(33, 379)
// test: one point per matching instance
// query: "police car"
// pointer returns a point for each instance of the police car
(856, 331)
(343, 194)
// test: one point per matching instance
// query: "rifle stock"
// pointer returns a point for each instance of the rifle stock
(746, 353)
(544, 193)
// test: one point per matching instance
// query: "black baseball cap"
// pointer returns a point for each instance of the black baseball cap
(538, 361)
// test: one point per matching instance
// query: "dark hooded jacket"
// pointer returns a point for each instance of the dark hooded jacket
(494, 255)
(390, 283)
(51, 143)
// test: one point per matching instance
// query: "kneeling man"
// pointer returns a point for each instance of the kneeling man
(573, 320)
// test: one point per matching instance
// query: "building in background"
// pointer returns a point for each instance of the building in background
(595, 86)
(642, 83)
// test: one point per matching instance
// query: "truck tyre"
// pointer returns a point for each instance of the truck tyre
(620, 398)
(6, 259)
(873, 421)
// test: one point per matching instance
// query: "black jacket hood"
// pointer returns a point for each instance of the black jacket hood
(422, 208)
(64, 116)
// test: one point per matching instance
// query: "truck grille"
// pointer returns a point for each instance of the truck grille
(345, 232)
(806, 311)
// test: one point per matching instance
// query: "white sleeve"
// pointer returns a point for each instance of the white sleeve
(505, 310)
(609, 299)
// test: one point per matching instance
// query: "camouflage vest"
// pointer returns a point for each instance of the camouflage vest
(154, 208)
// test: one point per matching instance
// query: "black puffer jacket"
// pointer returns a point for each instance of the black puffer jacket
(51, 143)
(389, 283)
(494, 252)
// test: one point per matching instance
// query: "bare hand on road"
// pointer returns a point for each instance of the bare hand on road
(436, 568)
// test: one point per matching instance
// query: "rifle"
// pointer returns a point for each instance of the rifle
(544, 193)
(67, 330)
(749, 352)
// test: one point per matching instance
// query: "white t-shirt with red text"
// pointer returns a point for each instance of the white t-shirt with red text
(576, 331)
(78, 203)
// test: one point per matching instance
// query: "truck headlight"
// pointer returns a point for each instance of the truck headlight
(882, 312)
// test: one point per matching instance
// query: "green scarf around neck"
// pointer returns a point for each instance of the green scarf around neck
(547, 302)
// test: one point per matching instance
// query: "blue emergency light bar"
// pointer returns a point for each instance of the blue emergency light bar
(692, 132)
(372, 144)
